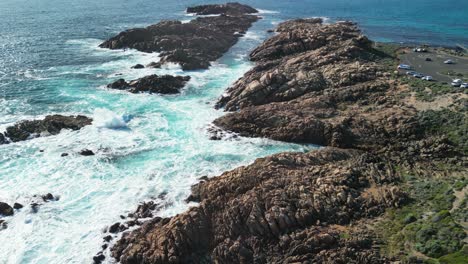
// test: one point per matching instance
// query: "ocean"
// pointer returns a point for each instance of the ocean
(146, 145)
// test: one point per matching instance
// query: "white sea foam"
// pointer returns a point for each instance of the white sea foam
(105, 118)
(163, 147)
(265, 11)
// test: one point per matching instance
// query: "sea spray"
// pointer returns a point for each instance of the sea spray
(104, 118)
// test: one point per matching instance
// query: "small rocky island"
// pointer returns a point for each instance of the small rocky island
(387, 186)
(195, 44)
(50, 125)
(166, 84)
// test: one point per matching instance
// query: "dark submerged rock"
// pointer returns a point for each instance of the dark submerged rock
(35, 207)
(3, 224)
(50, 125)
(138, 66)
(193, 45)
(165, 84)
(63, 154)
(86, 152)
(115, 228)
(154, 65)
(2, 139)
(5, 209)
(99, 258)
(49, 197)
(17, 206)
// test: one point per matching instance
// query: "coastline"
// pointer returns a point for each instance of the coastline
(195, 235)
(375, 184)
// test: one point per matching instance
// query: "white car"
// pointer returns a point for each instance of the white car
(464, 85)
(448, 62)
(427, 78)
(456, 83)
(404, 67)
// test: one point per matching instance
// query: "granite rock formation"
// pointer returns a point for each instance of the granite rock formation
(268, 212)
(165, 84)
(50, 125)
(193, 45)
(312, 83)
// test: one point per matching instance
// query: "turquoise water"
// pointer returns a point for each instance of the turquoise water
(50, 63)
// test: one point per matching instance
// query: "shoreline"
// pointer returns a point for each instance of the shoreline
(191, 227)
(391, 146)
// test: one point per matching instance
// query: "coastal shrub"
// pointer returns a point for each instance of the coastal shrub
(425, 224)
(453, 124)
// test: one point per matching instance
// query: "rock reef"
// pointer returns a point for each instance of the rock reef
(268, 212)
(195, 44)
(320, 84)
(228, 9)
(165, 84)
(50, 125)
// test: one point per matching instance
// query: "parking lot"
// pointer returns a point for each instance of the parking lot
(436, 67)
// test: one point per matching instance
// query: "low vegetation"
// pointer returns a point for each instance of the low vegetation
(427, 229)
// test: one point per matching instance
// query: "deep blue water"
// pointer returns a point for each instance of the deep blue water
(50, 63)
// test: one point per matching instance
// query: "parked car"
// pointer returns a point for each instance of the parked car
(411, 73)
(456, 83)
(418, 75)
(464, 85)
(448, 62)
(420, 50)
(404, 67)
(427, 78)
(428, 59)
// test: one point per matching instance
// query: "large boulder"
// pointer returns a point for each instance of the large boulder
(5, 209)
(165, 84)
(50, 125)
(193, 45)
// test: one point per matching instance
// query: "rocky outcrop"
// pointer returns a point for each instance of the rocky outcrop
(312, 83)
(165, 84)
(193, 45)
(277, 210)
(50, 125)
(304, 57)
(319, 84)
(228, 9)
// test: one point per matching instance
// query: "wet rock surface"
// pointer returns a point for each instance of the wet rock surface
(50, 125)
(193, 45)
(164, 84)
